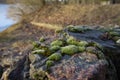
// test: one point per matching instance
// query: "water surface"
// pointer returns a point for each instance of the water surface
(5, 22)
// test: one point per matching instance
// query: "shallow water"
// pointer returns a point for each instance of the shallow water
(5, 22)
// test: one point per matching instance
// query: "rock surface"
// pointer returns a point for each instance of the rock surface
(83, 66)
(92, 58)
(103, 37)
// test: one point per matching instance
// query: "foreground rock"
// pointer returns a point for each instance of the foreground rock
(79, 53)
(108, 38)
(83, 66)
(82, 58)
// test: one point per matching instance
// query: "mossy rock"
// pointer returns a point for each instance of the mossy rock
(42, 39)
(35, 44)
(76, 29)
(49, 63)
(58, 31)
(114, 33)
(105, 29)
(72, 41)
(70, 49)
(118, 41)
(83, 43)
(57, 43)
(38, 51)
(91, 50)
(97, 45)
(81, 49)
(42, 52)
(40, 75)
(55, 57)
(36, 48)
(115, 38)
(79, 29)
(100, 55)
(54, 48)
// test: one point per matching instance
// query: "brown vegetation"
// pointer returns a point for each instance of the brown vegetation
(79, 14)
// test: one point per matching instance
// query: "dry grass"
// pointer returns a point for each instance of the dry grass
(48, 26)
(80, 14)
(9, 30)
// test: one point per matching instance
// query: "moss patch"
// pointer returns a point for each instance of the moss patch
(54, 48)
(69, 50)
(83, 43)
(49, 63)
(72, 41)
(55, 56)
(57, 43)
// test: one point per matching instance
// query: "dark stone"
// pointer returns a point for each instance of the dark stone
(1, 71)
(17, 72)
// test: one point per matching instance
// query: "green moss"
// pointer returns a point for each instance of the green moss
(42, 51)
(38, 52)
(115, 38)
(69, 50)
(72, 41)
(114, 33)
(49, 63)
(79, 29)
(35, 44)
(69, 26)
(81, 49)
(97, 45)
(76, 29)
(54, 48)
(57, 43)
(105, 29)
(55, 56)
(58, 31)
(83, 43)
(42, 39)
(39, 75)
